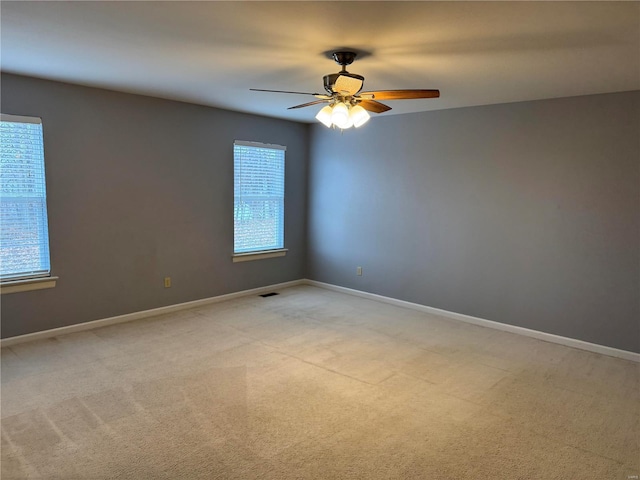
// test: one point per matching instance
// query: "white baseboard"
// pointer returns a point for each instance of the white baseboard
(547, 337)
(79, 327)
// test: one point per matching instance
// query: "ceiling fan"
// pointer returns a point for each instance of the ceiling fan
(347, 105)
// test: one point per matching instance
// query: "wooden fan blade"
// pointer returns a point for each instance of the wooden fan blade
(308, 104)
(374, 106)
(402, 94)
(320, 95)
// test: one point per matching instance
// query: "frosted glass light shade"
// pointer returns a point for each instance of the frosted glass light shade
(340, 116)
(359, 116)
(324, 116)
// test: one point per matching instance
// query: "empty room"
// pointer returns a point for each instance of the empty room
(320, 240)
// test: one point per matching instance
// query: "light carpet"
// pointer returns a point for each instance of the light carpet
(314, 384)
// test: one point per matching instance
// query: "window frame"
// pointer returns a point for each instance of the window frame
(31, 280)
(259, 253)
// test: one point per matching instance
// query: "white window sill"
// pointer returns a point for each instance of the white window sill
(16, 286)
(247, 257)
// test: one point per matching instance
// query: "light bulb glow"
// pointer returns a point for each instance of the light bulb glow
(324, 116)
(359, 116)
(343, 115)
(340, 116)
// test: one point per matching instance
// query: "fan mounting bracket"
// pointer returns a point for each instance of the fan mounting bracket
(344, 58)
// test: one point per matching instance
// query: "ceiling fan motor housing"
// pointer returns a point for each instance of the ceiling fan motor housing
(343, 82)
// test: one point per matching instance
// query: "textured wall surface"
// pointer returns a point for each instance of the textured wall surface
(141, 188)
(525, 213)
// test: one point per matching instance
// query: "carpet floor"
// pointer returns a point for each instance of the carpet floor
(314, 384)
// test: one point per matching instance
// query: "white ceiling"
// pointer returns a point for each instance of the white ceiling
(211, 53)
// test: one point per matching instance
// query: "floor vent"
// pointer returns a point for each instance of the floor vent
(268, 294)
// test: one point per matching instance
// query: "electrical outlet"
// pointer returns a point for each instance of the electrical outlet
(167, 282)
(359, 271)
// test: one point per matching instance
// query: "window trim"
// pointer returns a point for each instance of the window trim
(269, 252)
(30, 280)
(26, 285)
(249, 256)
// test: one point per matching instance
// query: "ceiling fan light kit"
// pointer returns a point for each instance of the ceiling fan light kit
(348, 107)
(343, 116)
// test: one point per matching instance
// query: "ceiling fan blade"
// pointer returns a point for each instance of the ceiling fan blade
(402, 94)
(308, 104)
(374, 106)
(319, 95)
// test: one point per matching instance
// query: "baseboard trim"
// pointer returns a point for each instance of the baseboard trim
(128, 317)
(547, 337)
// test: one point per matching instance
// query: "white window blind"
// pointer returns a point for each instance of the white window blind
(24, 233)
(258, 185)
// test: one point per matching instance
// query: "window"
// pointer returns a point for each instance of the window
(24, 235)
(258, 207)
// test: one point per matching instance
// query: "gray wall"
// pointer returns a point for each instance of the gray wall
(525, 213)
(139, 189)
